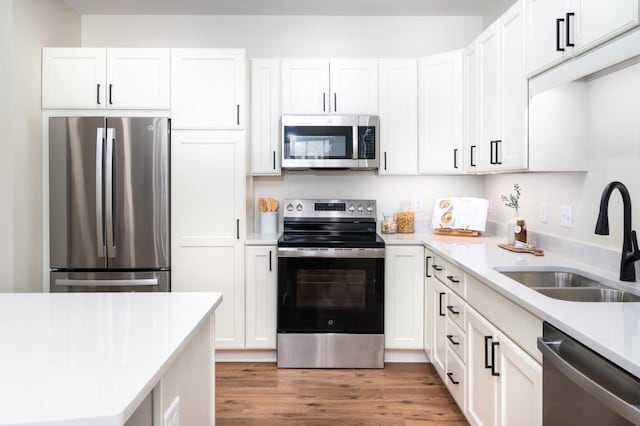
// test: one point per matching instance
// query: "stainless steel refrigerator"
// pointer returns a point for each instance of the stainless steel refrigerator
(109, 204)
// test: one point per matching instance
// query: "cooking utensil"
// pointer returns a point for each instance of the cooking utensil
(262, 205)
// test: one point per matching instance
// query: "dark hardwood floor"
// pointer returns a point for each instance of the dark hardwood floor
(399, 394)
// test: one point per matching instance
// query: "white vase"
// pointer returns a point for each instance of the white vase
(511, 225)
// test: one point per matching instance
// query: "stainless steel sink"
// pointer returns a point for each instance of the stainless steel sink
(553, 279)
(568, 285)
(586, 294)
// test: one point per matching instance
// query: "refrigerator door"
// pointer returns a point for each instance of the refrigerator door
(110, 281)
(137, 193)
(76, 149)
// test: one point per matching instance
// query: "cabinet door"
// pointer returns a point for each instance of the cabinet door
(261, 296)
(305, 86)
(73, 78)
(599, 21)
(483, 386)
(471, 108)
(520, 401)
(207, 221)
(403, 309)
(398, 116)
(208, 88)
(265, 117)
(439, 316)
(354, 86)
(546, 35)
(138, 78)
(511, 150)
(489, 96)
(440, 114)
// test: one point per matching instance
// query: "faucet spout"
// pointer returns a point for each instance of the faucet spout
(630, 250)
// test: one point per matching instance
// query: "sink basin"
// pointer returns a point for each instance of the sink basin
(568, 285)
(553, 279)
(586, 294)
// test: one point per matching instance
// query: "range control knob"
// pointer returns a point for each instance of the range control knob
(299, 207)
(289, 207)
(351, 208)
(360, 208)
(370, 209)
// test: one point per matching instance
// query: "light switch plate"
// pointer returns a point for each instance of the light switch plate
(418, 205)
(566, 216)
(544, 213)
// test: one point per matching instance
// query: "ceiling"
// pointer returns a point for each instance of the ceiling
(284, 7)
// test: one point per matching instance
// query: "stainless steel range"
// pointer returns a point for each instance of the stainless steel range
(330, 285)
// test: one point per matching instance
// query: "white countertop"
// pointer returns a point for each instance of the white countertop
(90, 358)
(257, 239)
(611, 329)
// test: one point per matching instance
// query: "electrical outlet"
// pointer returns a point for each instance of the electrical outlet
(418, 205)
(172, 414)
(544, 213)
(566, 216)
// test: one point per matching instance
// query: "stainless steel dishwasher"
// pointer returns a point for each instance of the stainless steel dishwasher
(581, 387)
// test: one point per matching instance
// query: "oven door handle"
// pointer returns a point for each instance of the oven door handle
(552, 354)
(351, 253)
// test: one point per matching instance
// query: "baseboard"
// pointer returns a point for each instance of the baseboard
(405, 355)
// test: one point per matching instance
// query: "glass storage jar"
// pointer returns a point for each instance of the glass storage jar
(388, 225)
(405, 218)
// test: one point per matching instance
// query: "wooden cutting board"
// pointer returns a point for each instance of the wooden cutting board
(533, 250)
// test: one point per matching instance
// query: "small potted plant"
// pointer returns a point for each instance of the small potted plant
(513, 201)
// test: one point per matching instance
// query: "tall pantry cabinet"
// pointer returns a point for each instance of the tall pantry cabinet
(208, 215)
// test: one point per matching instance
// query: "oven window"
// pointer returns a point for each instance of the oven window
(336, 295)
(331, 288)
(318, 142)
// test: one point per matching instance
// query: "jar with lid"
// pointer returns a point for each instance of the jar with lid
(388, 225)
(405, 218)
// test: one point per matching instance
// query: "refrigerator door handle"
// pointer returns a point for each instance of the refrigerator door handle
(108, 187)
(107, 283)
(99, 223)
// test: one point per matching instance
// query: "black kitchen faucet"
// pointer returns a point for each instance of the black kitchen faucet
(630, 250)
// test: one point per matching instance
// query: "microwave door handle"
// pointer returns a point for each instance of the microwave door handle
(354, 154)
(108, 186)
(99, 223)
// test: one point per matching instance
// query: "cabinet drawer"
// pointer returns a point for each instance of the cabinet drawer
(456, 340)
(456, 379)
(450, 275)
(438, 268)
(455, 309)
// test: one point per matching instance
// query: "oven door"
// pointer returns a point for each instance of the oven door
(331, 290)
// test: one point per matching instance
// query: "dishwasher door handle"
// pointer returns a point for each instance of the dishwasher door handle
(595, 389)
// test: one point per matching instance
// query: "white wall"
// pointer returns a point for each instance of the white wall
(496, 9)
(286, 36)
(33, 24)
(614, 154)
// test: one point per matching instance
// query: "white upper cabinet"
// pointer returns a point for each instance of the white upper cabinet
(440, 108)
(496, 137)
(96, 78)
(138, 78)
(354, 86)
(208, 88)
(560, 29)
(471, 108)
(398, 116)
(265, 117)
(337, 86)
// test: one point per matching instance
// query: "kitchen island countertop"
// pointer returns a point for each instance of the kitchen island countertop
(90, 358)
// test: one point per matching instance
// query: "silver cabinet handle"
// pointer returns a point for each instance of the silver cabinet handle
(108, 177)
(628, 410)
(108, 283)
(99, 223)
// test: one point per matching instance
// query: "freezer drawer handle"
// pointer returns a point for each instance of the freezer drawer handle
(550, 354)
(108, 283)
(99, 224)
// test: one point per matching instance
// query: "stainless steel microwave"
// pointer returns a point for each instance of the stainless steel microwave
(330, 142)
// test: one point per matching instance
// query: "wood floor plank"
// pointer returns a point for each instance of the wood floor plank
(398, 395)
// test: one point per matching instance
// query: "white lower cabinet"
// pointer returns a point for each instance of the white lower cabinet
(404, 296)
(439, 319)
(261, 285)
(207, 223)
(505, 383)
